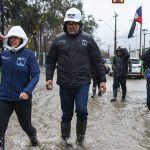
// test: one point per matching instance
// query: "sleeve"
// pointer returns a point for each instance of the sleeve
(125, 53)
(51, 60)
(113, 63)
(96, 61)
(1, 44)
(0, 58)
(34, 75)
(146, 56)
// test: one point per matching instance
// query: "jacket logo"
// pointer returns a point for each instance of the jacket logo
(6, 58)
(62, 41)
(21, 61)
(84, 42)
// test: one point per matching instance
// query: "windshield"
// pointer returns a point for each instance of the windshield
(108, 61)
(135, 61)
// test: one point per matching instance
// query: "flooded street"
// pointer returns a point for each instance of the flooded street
(111, 126)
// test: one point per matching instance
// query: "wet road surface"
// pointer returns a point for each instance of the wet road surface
(111, 126)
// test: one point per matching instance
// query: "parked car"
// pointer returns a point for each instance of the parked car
(108, 65)
(136, 68)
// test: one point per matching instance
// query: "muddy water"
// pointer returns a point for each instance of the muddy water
(111, 126)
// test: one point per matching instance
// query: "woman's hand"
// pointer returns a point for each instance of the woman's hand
(1, 37)
(24, 96)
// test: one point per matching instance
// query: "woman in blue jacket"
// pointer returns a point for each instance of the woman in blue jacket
(20, 74)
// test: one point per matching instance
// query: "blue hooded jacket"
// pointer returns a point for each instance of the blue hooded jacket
(20, 70)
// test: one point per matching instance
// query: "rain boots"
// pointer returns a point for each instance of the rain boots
(94, 92)
(123, 95)
(33, 139)
(99, 93)
(115, 95)
(2, 143)
(65, 130)
(80, 131)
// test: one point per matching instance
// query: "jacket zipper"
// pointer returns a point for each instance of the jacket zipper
(12, 75)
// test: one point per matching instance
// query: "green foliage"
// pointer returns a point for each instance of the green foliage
(42, 17)
(90, 25)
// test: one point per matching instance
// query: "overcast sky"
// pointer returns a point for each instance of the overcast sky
(104, 10)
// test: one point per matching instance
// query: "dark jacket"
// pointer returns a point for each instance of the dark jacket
(75, 55)
(146, 58)
(120, 64)
(20, 73)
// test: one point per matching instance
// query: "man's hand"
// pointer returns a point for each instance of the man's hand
(102, 87)
(49, 84)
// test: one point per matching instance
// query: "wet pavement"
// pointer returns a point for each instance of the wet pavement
(111, 126)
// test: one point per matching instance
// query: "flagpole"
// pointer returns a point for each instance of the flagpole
(136, 40)
(140, 49)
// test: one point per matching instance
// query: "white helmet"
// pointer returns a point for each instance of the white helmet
(73, 14)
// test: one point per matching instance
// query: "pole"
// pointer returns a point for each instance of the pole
(108, 50)
(115, 33)
(140, 49)
(144, 42)
(2, 16)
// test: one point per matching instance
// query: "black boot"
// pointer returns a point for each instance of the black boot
(94, 92)
(2, 143)
(33, 139)
(99, 93)
(65, 130)
(115, 95)
(80, 131)
(123, 95)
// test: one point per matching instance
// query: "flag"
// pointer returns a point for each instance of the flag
(137, 18)
(130, 35)
(138, 15)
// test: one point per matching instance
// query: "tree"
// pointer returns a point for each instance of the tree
(42, 19)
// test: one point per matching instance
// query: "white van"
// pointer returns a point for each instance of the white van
(136, 68)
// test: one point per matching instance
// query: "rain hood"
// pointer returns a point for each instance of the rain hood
(18, 32)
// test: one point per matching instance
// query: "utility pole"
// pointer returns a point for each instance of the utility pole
(108, 51)
(144, 33)
(2, 16)
(115, 33)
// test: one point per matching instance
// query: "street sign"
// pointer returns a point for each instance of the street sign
(118, 1)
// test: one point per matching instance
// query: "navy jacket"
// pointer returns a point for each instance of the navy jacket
(20, 73)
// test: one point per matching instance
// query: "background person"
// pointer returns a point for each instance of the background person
(20, 74)
(75, 52)
(146, 59)
(120, 71)
(96, 81)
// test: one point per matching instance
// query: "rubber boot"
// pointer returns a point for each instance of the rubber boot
(123, 95)
(80, 131)
(148, 106)
(2, 144)
(99, 93)
(94, 91)
(33, 139)
(115, 95)
(65, 130)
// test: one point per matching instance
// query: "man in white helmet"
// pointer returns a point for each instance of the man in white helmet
(75, 52)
